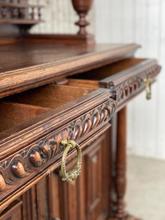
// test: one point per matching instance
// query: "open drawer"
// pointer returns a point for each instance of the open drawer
(34, 123)
(125, 79)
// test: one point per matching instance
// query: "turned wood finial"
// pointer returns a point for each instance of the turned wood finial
(82, 8)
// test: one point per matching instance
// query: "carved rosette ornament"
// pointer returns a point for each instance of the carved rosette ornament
(30, 160)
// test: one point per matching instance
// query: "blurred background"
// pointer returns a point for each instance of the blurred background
(125, 21)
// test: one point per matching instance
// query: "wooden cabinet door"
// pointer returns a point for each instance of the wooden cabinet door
(125, 78)
(13, 212)
(97, 173)
(89, 197)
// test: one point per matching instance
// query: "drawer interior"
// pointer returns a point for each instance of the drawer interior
(93, 77)
(51, 96)
(22, 108)
(12, 114)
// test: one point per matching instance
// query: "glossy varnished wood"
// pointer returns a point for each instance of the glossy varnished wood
(125, 79)
(63, 75)
(26, 65)
(20, 151)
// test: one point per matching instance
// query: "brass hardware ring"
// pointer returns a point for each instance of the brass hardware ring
(148, 82)
(71, 175)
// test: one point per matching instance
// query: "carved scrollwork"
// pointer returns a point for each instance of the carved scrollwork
(96, 118)
(33, 157)
(134, 84)
(87, 124)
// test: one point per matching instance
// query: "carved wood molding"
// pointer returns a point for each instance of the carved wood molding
(134, 84)
(22, 166)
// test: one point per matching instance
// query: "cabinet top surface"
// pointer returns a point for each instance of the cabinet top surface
(24, 55)
(28, 63)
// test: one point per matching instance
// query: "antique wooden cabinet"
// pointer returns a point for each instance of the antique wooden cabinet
(63, 119)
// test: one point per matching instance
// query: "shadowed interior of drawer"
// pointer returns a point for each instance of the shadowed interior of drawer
(12, 114)
(26, 106)
(51, 96)
(101, 73)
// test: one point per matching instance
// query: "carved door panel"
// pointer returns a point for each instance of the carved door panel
(35, 202)
(13, 212)
(97, 175)
(26, 207)
(88, 197)
(56, 211)
(42, 202)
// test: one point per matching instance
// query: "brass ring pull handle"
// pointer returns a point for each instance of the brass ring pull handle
(71, 175)
(148, 82)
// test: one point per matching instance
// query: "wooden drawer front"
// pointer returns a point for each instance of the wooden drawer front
(34, 152)
(13, 213)
(125, 79)
(128, 83)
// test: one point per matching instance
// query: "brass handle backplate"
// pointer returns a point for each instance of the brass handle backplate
(148, 82)
(71, 175)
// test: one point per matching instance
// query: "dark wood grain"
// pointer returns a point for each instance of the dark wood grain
(25, 66)
(125, 80)
(50, 91)
(18, 167)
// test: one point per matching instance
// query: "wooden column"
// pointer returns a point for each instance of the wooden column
(121, 167)
(120, 184)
